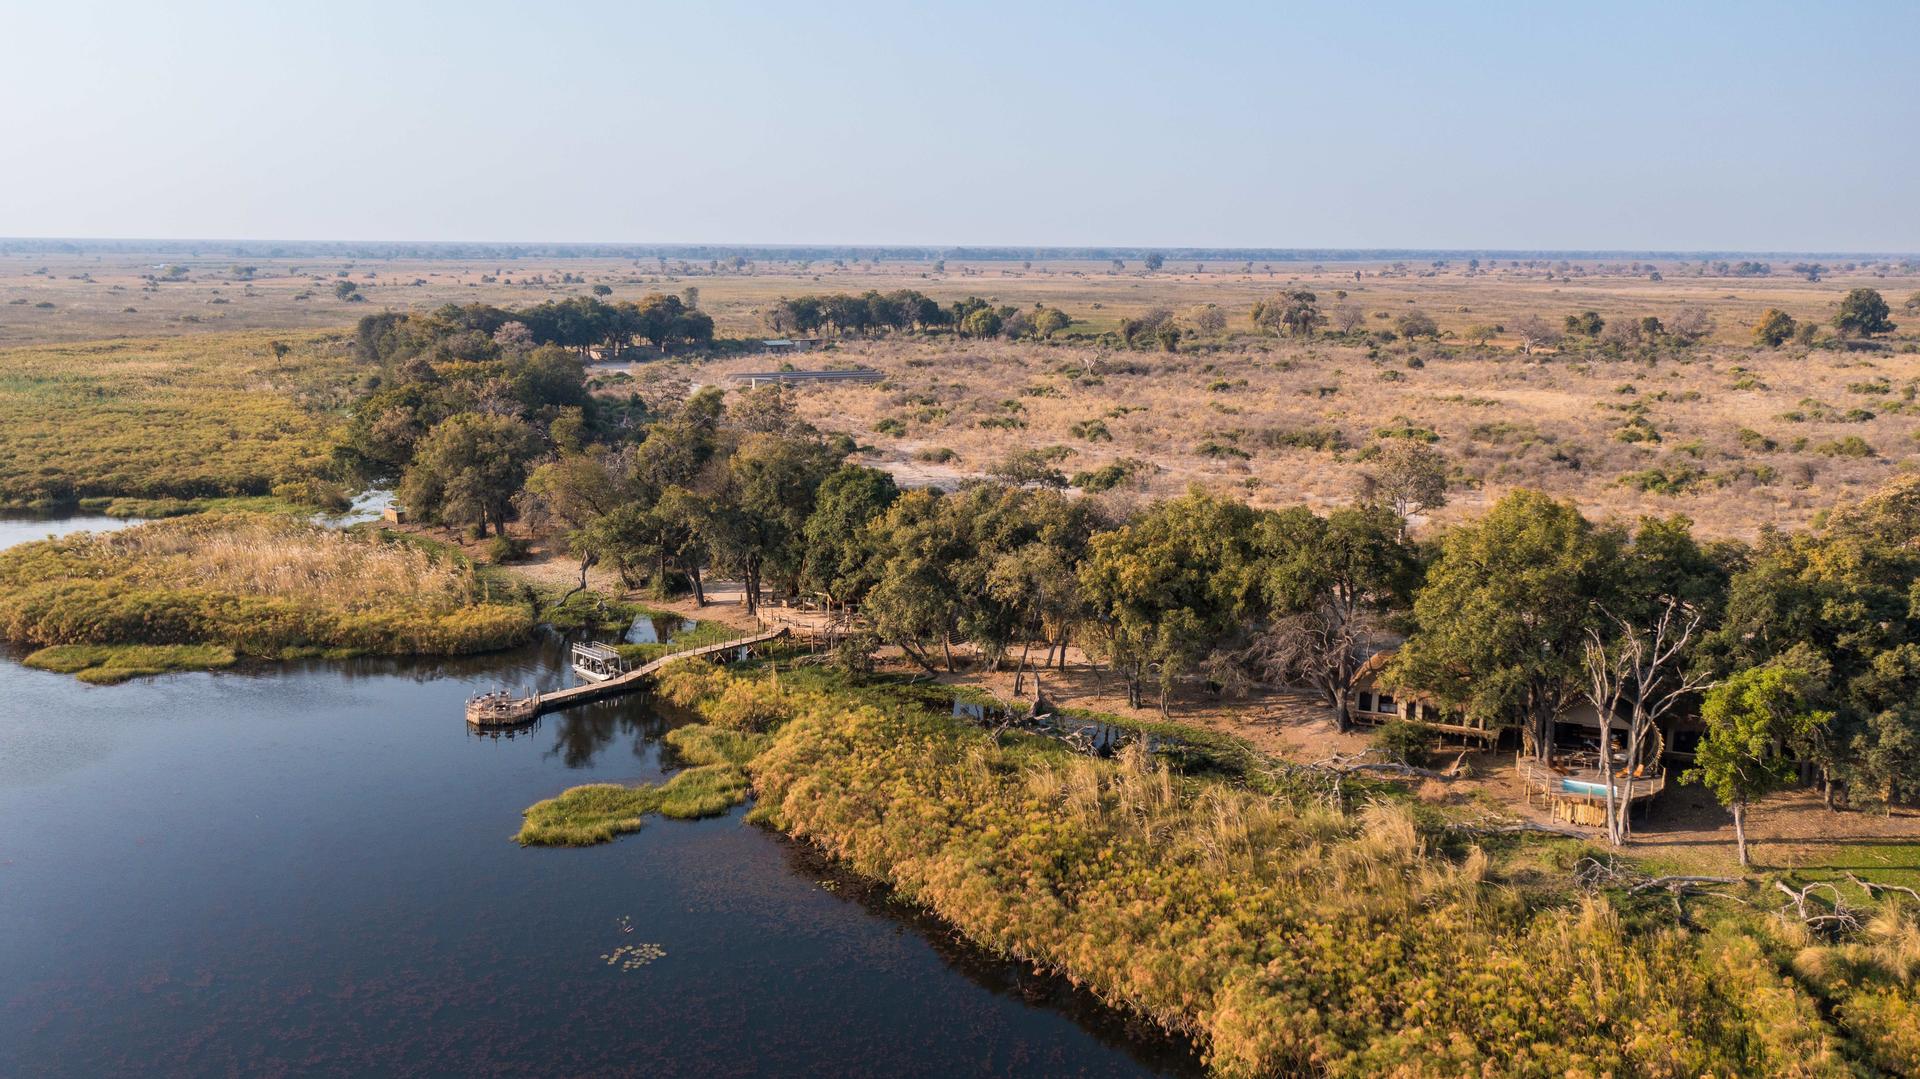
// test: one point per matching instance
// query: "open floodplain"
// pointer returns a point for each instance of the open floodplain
(366, 488)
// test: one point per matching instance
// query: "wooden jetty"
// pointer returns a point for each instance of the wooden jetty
(524, 709)
(500, 709)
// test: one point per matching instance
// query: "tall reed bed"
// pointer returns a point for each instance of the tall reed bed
(259, 585)
(265, 556)
(1291, 938)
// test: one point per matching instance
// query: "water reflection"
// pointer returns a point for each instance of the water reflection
(308, 868)
(18, 528)
(368, 505)
(651, 630)
(581, 734)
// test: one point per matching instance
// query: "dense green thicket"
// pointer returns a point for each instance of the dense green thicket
(257, 584)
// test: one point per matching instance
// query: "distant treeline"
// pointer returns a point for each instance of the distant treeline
(482, 332)
(906, 310)
(377, 249)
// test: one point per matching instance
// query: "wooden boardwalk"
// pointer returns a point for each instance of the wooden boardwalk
(628, 682)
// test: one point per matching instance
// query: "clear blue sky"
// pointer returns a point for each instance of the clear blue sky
(1676, 125)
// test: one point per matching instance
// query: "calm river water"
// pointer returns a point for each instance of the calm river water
(308, 869)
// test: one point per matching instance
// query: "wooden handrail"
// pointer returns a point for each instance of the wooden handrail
(593, 691)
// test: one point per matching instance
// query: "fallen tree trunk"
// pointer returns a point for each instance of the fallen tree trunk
(1680, 884)
(1348, 763)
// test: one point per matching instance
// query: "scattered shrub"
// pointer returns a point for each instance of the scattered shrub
(1405, 741)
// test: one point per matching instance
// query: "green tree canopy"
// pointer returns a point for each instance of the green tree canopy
(1774, 329)
(1749, 717)
(1169, 587)
(1843, 604)
(468, 468)
(1504, 613)
(1863, 312)
(1326, 582)
(838, 550)
(771, 486)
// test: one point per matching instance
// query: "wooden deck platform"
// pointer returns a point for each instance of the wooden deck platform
(633, 679)
(1579, 796)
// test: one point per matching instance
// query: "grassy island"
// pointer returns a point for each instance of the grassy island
(196, 592)
(173, 420)
(1290, 931)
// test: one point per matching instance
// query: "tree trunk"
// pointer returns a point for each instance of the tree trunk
(946, 649)
(1540, 733)
(1020, 672)
(585, 564)
(1623, 821)
(699, 586)
(1740, 830)
(916, 655)
(1606, 777)
(1636, 737)
(1342, 717)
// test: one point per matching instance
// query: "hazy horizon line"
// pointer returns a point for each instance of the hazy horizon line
(910, 252)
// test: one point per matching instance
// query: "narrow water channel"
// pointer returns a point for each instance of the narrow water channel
(308, 869)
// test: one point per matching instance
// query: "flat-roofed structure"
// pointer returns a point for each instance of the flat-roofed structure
(789, 378)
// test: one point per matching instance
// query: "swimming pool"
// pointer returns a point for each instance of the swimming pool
(1581, 786)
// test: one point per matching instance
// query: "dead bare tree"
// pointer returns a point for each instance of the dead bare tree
(1324, 647)
(1873, 888)
(1837, 918)
(1535, 332)
(1640, 676)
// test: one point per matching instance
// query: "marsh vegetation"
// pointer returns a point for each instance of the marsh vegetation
(176, 418)
(196, 591)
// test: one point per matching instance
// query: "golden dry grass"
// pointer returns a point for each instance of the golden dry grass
(268, 556)
(1223, 418)
(1502, 421)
